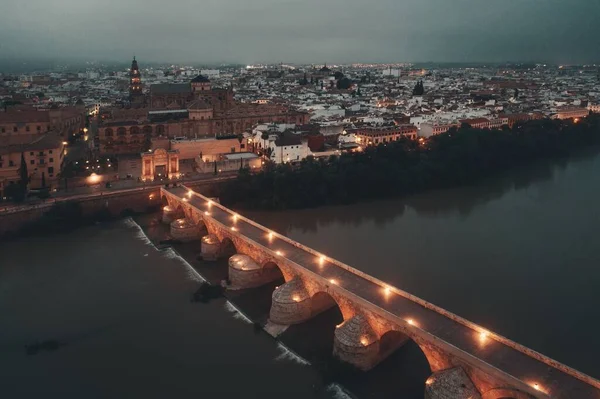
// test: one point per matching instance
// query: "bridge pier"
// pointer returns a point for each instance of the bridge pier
(169, 214)
(356, 343)
(244, 272)
(452, 383)
(184, 230)
(210, 247)
(291, 304)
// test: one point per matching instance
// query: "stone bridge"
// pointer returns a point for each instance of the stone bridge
(466, 360)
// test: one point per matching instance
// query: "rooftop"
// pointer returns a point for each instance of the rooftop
(170, 88)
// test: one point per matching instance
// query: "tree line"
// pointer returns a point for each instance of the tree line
(461, 156)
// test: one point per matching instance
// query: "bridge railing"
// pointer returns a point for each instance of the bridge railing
(477, 328)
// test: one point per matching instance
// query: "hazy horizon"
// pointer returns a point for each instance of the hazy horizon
(309, 31)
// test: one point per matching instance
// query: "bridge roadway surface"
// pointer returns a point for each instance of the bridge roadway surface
(556, 382)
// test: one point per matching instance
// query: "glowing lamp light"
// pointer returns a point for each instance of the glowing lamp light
(279, 253)
(537, 387)
(235, 218)
(364, 341)
(190, 193)
(430, 381)
(333, 281)
(151, 196)
(483, 335)
(322, 260)
(410, 321)
(94, 178)
(207, 213)
(184, 199)
(296, 298)
(270, 236)
(209, 203)
(387, 291)
(233, 228)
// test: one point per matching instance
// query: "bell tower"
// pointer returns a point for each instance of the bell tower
(135, 82)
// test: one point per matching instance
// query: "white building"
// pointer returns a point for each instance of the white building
(210, 73)
(289, 148)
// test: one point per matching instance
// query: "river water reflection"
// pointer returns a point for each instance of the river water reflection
(518, 255)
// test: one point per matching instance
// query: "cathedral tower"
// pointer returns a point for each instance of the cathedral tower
(135, 82)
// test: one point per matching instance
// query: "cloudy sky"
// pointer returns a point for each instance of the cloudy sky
(247, 31)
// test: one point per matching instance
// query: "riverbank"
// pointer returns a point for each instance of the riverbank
(401, 375)
(458, 158)
(67, 214)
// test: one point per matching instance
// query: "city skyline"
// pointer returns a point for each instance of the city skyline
(271, 31)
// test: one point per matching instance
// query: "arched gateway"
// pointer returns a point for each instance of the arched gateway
(160, 163)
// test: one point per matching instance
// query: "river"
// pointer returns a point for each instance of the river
(518, 255)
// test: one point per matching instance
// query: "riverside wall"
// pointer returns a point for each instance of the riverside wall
(90, 207)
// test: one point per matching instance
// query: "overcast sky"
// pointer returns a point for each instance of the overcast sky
(311, 31)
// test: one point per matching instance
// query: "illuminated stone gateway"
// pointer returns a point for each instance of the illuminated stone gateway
(466, 360)
(160, 164)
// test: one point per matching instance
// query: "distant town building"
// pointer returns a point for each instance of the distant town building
(191, 110)
(429, 129)
(289, 148)
(370, 136)
(572, 113)
(43, 154)
(65, 121)
(484, 123)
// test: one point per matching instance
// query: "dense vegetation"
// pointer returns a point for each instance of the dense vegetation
(458, 157)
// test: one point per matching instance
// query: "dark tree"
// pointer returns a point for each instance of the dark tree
(464, 155)
(344, 84)
(338, 75)
(23, 174)
(419, 89)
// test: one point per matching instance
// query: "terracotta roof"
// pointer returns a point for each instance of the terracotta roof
(170, 88)
(200, 79)
(199, 104)
(24, 143)
(24, 116)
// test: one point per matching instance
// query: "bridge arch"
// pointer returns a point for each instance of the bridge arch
(390, 341)
(273, 269)
(322, 301)
(227, 248)
(179, 211)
